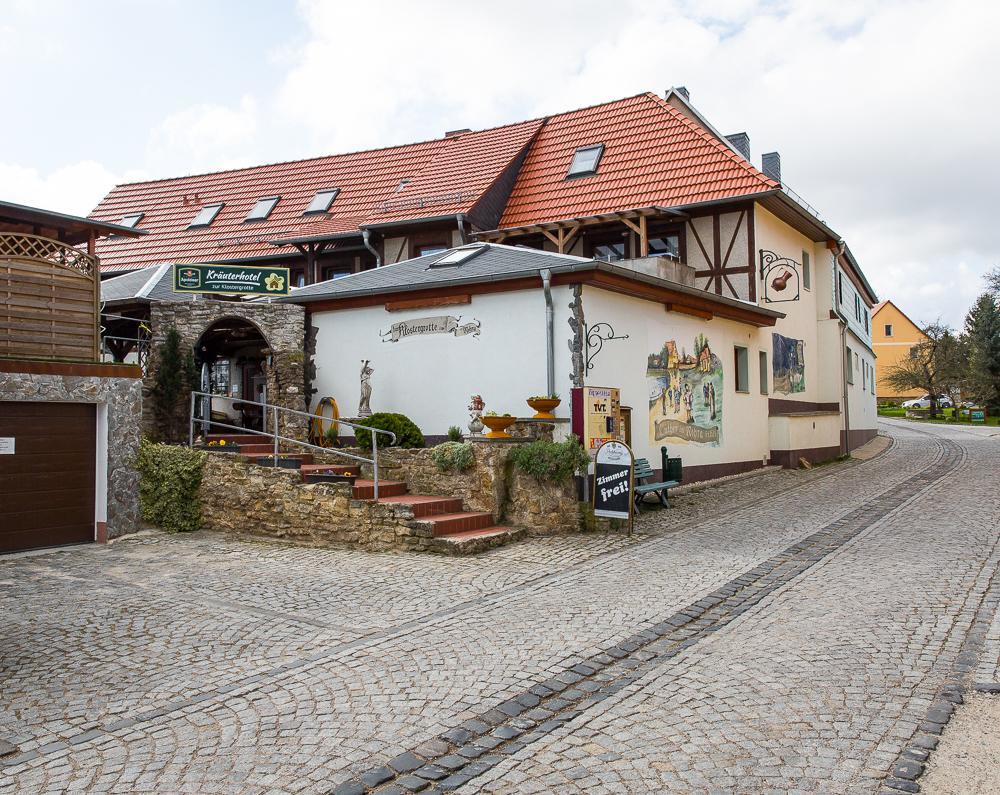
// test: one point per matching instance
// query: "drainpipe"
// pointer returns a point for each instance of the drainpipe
(366, 239)
(461, 229)
(550, 356)
(841, 245)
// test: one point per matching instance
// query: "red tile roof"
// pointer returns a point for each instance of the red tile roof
(653, 155)
(447, 176)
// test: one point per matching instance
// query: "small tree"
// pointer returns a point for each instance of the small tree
(993, 280)
(982, 344)
(173, 381)
(934, 365)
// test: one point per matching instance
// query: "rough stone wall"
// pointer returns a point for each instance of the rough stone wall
(247, 499)
(123, 397)
(283, 327)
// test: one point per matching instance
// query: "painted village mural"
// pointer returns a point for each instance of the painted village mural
(685, 394)
(788, 363)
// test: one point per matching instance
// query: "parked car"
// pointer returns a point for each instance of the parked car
(924, 402)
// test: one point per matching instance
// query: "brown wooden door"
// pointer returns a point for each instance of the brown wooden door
(47, 486)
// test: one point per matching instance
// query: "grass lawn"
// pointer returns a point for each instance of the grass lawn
(948, 416)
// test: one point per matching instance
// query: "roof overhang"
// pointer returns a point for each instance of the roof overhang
(497, 235)
(602, 275)
(72, 229)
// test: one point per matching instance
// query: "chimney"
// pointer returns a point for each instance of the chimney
(770, 164)
(742, 143)
(682, 90)
(453, 133)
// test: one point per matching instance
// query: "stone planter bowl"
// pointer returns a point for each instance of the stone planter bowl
(498, 426)
(543, 407)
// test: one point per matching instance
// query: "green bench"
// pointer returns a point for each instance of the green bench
(673, 475)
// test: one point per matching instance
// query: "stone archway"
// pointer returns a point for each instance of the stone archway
(232, 357)
(281, 332)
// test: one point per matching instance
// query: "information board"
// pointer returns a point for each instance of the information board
(977, 415)
(231, 279)
(614, 481)
(602, 417)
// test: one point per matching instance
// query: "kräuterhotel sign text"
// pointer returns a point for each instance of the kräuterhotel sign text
(442, 324)
(231, 279)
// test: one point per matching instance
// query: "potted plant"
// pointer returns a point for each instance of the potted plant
(332, 475)
(544, 406)
(223, 446)
(283, 462)
(498, 424)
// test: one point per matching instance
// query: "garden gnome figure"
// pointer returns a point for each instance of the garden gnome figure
(364, 407)
(476, 406)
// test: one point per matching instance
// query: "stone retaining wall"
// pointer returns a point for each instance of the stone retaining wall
(247, 499)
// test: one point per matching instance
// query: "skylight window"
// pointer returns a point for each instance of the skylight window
(322, 200)
(458, 257)
(262, 209)
(131, 220)
(205, 216)
(585, 161)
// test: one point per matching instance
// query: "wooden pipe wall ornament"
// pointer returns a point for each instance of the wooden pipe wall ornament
(784, 286)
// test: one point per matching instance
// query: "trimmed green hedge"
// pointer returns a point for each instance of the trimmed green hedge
(168, 490)
(407, 433)
(452, 456)
(551, 461)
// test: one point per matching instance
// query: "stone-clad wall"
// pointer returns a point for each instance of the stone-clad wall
(253, 500)
(283, 327)
(123, 397)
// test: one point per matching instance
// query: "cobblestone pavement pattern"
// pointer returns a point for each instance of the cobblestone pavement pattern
(787, 632)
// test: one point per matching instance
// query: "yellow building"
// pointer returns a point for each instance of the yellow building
(893, 334)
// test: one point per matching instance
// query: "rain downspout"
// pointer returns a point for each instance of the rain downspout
(366, 239)
(550, 357)
(461, 229)
(844, 364)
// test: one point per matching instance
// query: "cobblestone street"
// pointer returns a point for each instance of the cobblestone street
(794, 631)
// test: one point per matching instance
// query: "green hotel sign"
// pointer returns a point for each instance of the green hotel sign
(231, 279)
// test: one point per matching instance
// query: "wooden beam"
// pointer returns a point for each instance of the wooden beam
(550, 236)
(688, 310)
(630, 224)
(422, 303)
(643, 237)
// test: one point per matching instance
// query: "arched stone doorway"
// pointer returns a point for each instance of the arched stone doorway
(232, 359)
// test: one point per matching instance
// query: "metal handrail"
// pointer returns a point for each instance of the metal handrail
(279, 438)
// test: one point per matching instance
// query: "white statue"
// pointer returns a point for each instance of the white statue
(364, 407)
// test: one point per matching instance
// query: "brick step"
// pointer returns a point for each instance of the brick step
(425, 505)
(365, 489)
(450, 523)
(470, 542)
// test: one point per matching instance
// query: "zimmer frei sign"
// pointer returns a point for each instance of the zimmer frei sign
(614, 481)
(230, 279)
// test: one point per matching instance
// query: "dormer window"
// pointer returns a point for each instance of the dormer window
(262, 209)
(205, 216)
(321, 201)
(585, 161)
(131, 220)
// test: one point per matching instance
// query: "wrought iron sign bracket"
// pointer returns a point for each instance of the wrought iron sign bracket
(788, 276)
(597, 335)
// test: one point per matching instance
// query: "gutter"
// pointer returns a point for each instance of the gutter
(366, 239)
(550, 353)
(842, 323)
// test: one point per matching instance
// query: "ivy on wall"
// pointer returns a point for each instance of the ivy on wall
(168, 489)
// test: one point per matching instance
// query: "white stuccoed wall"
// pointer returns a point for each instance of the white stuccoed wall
(622, 363)
(430, 378)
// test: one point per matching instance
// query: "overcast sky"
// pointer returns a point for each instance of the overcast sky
(885, 113)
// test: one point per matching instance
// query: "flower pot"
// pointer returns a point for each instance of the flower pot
(498, 426)
(283, 463)
(543, 407)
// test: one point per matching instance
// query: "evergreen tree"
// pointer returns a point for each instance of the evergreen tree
(173, 381)
(982, 343)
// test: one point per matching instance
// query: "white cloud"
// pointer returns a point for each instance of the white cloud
(73, 189)
(205, 137)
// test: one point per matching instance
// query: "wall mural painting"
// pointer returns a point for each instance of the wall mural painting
(788, 362)
(685, 394)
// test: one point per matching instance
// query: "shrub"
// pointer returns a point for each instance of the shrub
(454, 434)
(174, 378)
(452, 456)
(551, 461)
(407, 433)
(168, 489)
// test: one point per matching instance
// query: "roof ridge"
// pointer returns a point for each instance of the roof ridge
(711, 138)
(295, 161)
